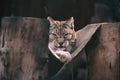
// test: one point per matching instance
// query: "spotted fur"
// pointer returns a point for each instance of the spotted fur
(62, 36)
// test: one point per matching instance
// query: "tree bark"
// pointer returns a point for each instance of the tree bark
(103, 53)
(23, 50)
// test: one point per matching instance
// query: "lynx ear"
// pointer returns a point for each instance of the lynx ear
(51, 20)
(70, 22)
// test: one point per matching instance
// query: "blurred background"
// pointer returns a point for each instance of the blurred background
(84, 11)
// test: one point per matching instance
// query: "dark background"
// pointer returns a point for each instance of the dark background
(82, 10)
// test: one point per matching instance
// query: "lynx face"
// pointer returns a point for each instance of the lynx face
(62, 36)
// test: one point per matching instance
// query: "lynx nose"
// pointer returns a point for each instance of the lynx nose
(60, 41)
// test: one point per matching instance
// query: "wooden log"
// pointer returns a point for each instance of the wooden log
(24, 43)
(103, 53)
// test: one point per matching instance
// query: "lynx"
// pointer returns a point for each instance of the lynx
(62, 38)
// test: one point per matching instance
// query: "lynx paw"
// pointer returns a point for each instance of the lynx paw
(64, 56)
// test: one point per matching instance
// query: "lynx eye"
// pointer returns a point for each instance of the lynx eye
(68, 36)
(52, 36)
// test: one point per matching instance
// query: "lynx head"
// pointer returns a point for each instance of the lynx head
(62, 35)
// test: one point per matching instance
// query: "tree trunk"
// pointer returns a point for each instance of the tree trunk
(23, 50)
(103, 53)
